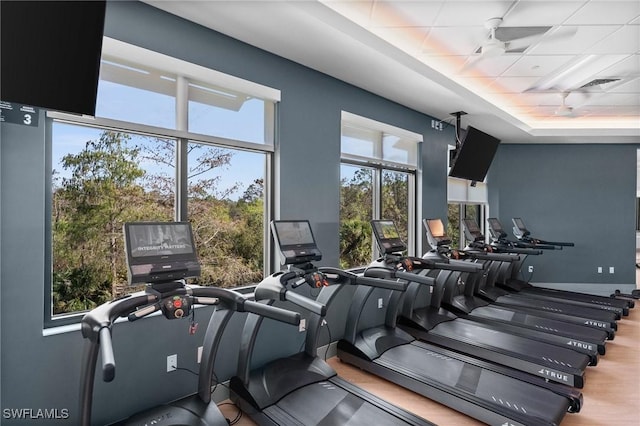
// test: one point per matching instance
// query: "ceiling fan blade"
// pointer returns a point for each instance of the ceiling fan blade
(559, 34)
(521, 44)
(515, 33)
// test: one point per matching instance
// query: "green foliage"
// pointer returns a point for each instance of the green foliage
(79, 289)
(453, 224)
(356, 212)
(355, 243)
(107, 186)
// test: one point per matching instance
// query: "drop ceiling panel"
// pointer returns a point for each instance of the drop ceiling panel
(405, 14)
(582, 40)
(536, 66)
(452, 41)
(540, 13)
(512, 84)
(470, 13)
(605, 12)
(493, 67)
(624, 40)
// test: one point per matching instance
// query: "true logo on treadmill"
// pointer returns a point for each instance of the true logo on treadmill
(554, 375)
(580, 345)
(596, 323)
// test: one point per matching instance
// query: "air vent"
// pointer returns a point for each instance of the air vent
(599, 82)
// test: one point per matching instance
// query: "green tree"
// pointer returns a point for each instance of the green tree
(106, 185)
(89, 209)
(356, 212)
(395, 199)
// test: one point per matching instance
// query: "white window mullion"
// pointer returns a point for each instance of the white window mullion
(182, 124)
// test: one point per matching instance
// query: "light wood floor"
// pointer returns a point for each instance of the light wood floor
(611, 392)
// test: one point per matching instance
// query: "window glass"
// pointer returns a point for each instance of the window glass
(226, 210)
(224, 113)
(360, 142)
(116, 172)
(399, 150)
(377, 182)
(101, 179)
(455, 228)
(356, 212)
(134, 94)
(395, 200)
(453, 224)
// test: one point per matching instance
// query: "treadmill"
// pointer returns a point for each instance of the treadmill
(432, 323)
(166, 291)
(524, 235)
(592, 316)
(488, 392)
(302, 389)
(460, 297)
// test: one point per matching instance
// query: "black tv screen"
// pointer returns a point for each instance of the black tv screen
(160, 251)
(50, 53)
(474, 156)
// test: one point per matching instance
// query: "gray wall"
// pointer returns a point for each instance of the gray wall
(43, 371)
(585, 194)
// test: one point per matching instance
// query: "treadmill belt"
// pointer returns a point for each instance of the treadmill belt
(335, 406)
(419, 362)
(469, 378)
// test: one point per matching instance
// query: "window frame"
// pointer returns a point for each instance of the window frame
(379, 165)
(183, 137)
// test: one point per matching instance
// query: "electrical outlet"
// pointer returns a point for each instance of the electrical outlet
(612, 270)
(303, 325)
(380, 303)
(172, 363)
(530, 268)
(599, 269)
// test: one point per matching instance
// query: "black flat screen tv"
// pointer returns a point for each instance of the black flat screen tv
(474, 156)
(50, 53)
(160, 252)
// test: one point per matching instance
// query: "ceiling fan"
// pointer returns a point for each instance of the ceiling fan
(503, 40)
(508, 39)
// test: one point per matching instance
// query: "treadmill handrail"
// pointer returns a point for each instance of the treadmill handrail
(274, 287)
(96, 328)
(345, 277)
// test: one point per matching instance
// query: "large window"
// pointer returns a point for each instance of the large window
(378, 181)
(163, 146)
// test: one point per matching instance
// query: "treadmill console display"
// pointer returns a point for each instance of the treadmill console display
(520, 227)
(472, 230)
(435, 232)
(295, 241)
(387, 236)
(496, 228)
(160, 252)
